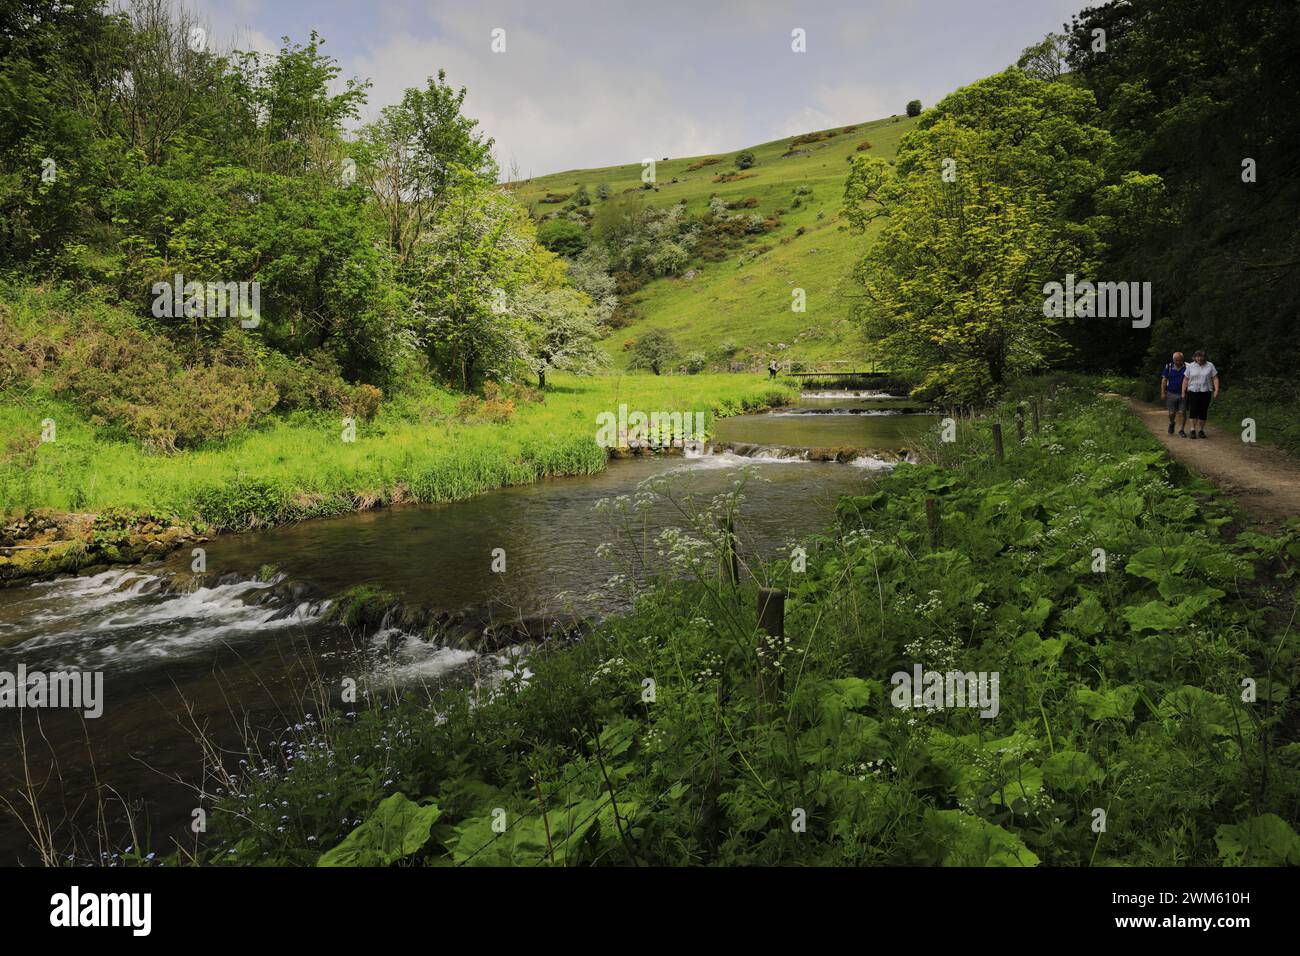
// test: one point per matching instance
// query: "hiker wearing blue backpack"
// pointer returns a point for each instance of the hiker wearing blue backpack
(1171, 393)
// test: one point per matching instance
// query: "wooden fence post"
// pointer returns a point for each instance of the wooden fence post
(771, 623)
(730, 559)
(997, 441)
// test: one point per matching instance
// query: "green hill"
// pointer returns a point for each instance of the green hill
(746, 297)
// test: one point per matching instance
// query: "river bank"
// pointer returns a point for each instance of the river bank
(652, 741)
(404, 600)
(84, 500)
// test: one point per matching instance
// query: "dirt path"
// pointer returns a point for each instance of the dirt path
(1264, 479)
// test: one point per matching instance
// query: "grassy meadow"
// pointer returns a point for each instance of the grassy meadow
(749, 302)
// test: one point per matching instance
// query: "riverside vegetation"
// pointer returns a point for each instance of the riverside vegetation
(425, 443)
(1147, 714)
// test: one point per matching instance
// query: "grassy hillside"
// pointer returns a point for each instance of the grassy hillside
(749, 302)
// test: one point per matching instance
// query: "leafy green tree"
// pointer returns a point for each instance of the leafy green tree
(655, 350)
(471, 263)
(413, 154)
(914, 108)
(1201, 95)
(1045, 60)
(293, 113)
(953, 280)
(561, 328)
(563, 237)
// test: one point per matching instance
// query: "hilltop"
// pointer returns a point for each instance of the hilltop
(744, 296)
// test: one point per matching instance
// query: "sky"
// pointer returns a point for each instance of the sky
(605, 82)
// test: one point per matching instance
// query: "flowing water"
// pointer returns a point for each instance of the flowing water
(239, 647)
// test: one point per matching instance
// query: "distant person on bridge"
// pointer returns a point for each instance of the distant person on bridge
(1201, 379)
(1171, 392)
(771, 369)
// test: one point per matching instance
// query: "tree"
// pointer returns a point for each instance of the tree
(914, 108)
(1045, 60)
(654, 350)
(589, 273)
(954, 280)
(413, 152)
(563, 237)
(562, 331)
(471, 262)
(744, 159)
(1200, 96)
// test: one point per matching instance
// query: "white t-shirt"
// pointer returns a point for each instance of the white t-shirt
(1200, 378)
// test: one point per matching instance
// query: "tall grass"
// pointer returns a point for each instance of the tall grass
(300, 467)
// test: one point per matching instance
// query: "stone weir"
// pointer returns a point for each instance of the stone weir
(838, 453)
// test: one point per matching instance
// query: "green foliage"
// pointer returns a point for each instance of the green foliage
(397, 828)
(1147, 724)
(744, 159)
(655, 351)
(975, 221)
(563, 237)
(913, 107)
(1190, 107)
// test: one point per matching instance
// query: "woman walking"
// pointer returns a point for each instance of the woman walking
(1200, 384)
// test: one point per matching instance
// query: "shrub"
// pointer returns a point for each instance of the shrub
(136, 381)
(655, 350)
(914, 108)
(695, 363)
(863, 146)
(311, 382)
(363, 402)
(744, 159)
(22, 357)
(563, 237)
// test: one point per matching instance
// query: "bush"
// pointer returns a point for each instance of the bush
(22, 357)
(744, 159)
(914, 108)
(563, 237)
(696, 362)
(313, 382)
(363, 402)
(135, 380)
(654, 351)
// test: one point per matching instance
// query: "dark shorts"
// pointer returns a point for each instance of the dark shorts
(1198, 405)
(1174, 403)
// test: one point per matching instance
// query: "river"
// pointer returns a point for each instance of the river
(238, 647)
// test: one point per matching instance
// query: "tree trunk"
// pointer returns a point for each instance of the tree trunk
(541, 378)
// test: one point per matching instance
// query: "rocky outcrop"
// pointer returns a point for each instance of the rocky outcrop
(43, 543)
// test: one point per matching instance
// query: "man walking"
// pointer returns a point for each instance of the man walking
(771, 369)
(1171, 392)
(1201, 379)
